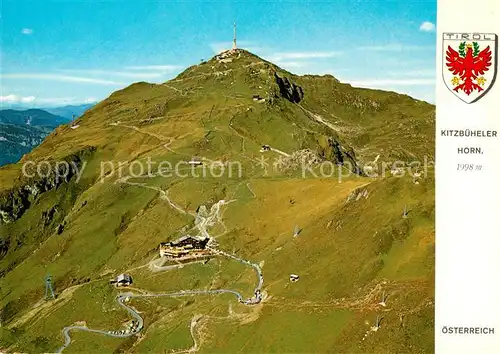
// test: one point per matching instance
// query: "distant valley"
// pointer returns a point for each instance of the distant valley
(21, 131)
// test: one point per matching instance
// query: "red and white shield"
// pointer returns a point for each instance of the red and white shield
(469, 64)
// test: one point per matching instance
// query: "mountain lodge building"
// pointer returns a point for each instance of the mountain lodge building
(187, 246)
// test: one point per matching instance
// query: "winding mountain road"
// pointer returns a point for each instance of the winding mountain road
(117, 334)
(203, 221)
(125, 296)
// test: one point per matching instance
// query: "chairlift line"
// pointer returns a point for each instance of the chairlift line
(49, 288)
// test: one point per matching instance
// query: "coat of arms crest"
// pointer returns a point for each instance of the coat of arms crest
(469, 64)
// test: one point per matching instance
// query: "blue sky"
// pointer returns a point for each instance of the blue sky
(69, 52)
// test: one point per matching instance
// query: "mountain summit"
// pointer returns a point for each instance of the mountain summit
(237, 156)
(236, 85)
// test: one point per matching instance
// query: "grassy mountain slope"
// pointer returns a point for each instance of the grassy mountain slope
(354, 245)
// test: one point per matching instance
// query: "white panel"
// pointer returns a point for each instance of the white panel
(467, 202)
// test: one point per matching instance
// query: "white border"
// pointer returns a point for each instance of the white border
(467, 203)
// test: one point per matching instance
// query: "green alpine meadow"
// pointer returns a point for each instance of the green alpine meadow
(236, 208)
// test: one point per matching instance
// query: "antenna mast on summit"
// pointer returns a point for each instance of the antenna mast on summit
(234, 38)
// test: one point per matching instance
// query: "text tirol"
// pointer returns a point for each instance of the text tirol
(470, 36)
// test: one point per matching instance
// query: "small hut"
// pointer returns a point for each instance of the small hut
(265, 148)
(195, 162)
(122, 280)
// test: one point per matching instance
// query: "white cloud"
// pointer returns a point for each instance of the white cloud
(27, 99)
(17, 99)
(64, 78)
(62, 101)
(27, 31)
(45, 101)
(9, 98)
(427, 26)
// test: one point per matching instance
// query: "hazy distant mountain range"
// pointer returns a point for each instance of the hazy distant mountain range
(21, 131)
(68, 111)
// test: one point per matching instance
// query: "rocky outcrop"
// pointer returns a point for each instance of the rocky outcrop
(298, 159)
(4, 246)
(357, 194)
(48, 215)
(288, 89)
(340, 155)
(60, 228)
(15, 202)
